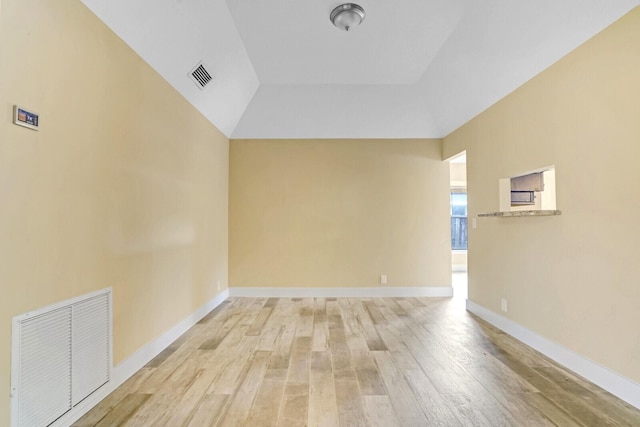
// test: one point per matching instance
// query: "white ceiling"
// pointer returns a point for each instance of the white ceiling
(414, 68)
(293, 42)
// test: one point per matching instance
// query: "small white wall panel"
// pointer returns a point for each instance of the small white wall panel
(90, 346)
(44, 389)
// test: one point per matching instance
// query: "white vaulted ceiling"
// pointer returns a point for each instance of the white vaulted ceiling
(414, 68)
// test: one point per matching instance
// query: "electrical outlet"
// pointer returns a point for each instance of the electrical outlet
(383, 279)
(503, 305)
(218, 285)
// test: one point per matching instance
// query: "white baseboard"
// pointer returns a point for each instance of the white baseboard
(382, 291)
(137, 360)
(141, 357)
(614, 383)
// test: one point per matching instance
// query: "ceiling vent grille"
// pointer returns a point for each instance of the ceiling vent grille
(200, 76)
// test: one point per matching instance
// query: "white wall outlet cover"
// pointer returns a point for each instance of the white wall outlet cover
(503, 305)
(383, 279)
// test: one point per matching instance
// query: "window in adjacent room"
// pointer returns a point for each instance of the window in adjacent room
(458, 202)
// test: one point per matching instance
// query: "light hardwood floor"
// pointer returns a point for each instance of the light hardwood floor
(353, 362)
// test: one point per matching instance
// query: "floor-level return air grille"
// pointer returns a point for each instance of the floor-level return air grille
(60, 355)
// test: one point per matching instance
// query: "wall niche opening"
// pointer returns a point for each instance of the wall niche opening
(529, 191)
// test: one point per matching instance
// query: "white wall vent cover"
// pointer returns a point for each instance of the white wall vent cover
(60, 355)
(200, 76)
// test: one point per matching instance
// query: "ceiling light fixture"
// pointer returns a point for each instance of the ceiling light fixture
(347, 16)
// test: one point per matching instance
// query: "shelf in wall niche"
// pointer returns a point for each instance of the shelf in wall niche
(520, 213)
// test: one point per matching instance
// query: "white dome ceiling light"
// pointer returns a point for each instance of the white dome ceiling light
(347, 16)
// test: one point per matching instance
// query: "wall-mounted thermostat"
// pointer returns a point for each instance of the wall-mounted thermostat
(25, 118)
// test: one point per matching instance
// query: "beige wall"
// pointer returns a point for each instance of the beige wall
(310, 213)
(571, 278)
(459, 260)
(125, 185)
(458, 174)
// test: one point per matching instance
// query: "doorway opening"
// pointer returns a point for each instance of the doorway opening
(459, 219)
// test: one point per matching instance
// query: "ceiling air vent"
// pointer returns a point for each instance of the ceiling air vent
(200, 76)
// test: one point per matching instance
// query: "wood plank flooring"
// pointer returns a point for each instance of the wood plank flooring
(353, 362)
